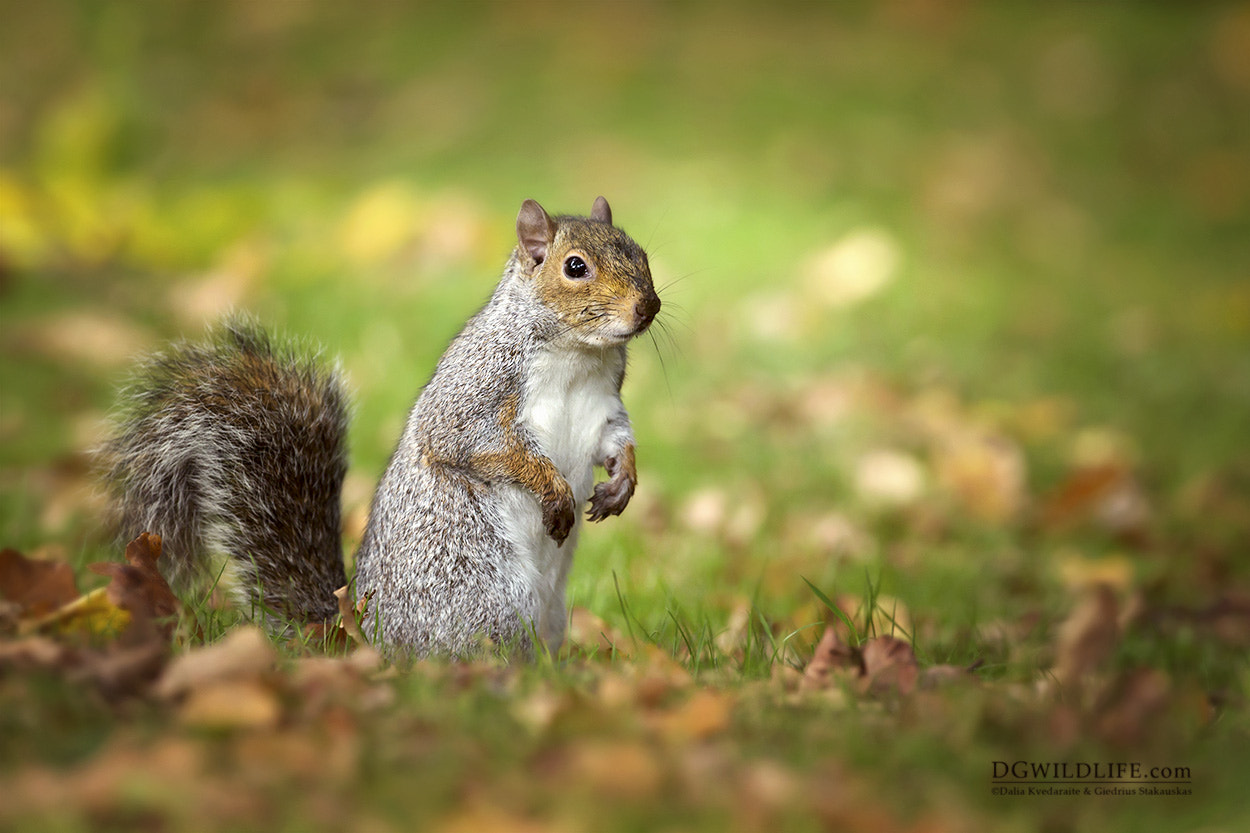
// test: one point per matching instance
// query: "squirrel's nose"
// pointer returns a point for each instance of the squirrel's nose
(646, 308)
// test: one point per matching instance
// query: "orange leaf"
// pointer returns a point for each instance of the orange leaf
(37, 587)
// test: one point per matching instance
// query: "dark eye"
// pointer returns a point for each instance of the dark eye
(575, 267)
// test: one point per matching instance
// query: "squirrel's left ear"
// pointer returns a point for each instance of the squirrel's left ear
(535, 230)
(601, 211)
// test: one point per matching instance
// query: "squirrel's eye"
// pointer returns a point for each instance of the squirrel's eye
(575, 267)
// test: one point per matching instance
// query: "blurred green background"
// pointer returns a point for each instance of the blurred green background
(956, 294)
(1033, 223)
(1039, 217)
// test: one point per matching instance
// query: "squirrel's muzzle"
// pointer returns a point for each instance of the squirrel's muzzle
(646, 309)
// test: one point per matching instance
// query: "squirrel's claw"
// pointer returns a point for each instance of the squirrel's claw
(610, 497)
(559, 515)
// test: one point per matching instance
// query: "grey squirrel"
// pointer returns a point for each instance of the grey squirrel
(234, 451)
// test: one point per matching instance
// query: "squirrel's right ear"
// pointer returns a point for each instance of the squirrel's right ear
(535, 230)
(601, 211)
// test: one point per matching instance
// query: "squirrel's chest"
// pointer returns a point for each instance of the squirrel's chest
(569, 398)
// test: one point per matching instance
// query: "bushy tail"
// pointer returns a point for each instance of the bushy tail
(234, 450)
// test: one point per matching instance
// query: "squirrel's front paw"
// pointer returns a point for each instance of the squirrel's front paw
(559, 514)
(611, 496)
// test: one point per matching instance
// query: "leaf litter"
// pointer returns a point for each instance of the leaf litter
(624, 720)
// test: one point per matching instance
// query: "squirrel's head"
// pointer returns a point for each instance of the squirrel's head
(588, 272)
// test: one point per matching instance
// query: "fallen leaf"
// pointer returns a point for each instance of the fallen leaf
(37, 587)
(139, 588)
(764, 789)
(705, 511)
(889, 478)
(94, 614)
(32, 652)
(854, 268)
(622, 769)
(244, 653)
(591, 633)
(1133, 706)
(889, 666)
(85, 337)
(936, 676)
(1104, 493)
(540, 709)
(737, 629)
(985, 473)
(1077, 571)
(351, 616)
(657, 675)
(1086, 639)
(833, 659)
(379, 223)
(122, 670)
(223, 287)
(327, 637)
(231, 704)
(707, 712)
(480, 817)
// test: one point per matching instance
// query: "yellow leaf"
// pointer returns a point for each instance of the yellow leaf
(231, 704)
(92, 614)
(379, 223)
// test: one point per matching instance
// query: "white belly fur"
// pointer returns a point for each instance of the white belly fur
(569, 397)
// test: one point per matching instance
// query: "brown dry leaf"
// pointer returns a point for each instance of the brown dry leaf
(737, 629)
(245, 653)
(1074, 496)
(1086, 638)
(705, 714)
(764, 789)
(621, 769)
(940, 675)
(540, 709)
(122, 774)
(706, 511)
(985, 473)
(657, 675)
(889, 666)
(83, 337)
(139, 587)
(37, 587)
(122, 670)
(231, 704)
(1134, 704)
(889, 478)
(33, 652)
(351, 615)
(333, 672)
(1229, 618)
(591, 633)
(329, 637)
(479, 817)
(833, 660)
(615, 690)
(1105, 493)
(223, 287)
(320, 683)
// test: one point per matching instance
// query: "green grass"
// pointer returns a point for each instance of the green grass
(1064, 197)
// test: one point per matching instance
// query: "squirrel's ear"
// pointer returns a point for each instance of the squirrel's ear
(601, 211)
(535, 230)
